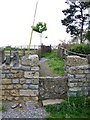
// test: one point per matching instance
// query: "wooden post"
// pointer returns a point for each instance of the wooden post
(88, 57)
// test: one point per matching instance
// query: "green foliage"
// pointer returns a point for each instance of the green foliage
(76, 18)
(80, 48)
(3, 108)
(40, 27)
(77, 107)
(54, 62)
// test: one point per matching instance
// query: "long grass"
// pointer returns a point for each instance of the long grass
(77, 107)
(55, 63)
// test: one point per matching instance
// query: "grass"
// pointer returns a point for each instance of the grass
(3, 108)
(54, 62)
(77, 107)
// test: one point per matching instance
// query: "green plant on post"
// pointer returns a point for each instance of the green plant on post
(40, 28)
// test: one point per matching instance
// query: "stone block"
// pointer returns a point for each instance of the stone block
(28, 92)
(25, 86)
(10, 87)
(15, 81)
(30, 60)
(26, 68)
(34, 87)
(19, 74)
(6, 67)
(1, 92)
(31, 74)
(35, 98)
(25, 92)
(79, 71)
(71, 93)
(70, 76)
(17, 86)
(14, 93)
(6, 92)
(28, 81)
(75, 89)
(26, 98)
(4, 87)
(88, 76)
(87, 71)
(2, 76)
(35, 68)
(16, 98)
(6, 81)
(16, 67)
(9, 98)
(84, 81)
(14, 71)
(22, 81)
(71, 71)
(80, 76)
(52, 101)
(3, 98)
(34, 93)
(35, 81)
(72, 85)
(10, 76)
(76, 61)
(5, 71)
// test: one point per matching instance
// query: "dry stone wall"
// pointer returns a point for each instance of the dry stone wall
(52, 87)
(78, 73)
(20, 82)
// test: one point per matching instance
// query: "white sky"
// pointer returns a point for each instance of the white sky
(16, 18)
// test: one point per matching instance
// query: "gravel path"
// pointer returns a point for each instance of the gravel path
(44, 68)
(31, 110)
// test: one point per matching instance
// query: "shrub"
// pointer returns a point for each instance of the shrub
(80, 48)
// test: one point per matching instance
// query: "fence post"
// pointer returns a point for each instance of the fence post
(88, 57)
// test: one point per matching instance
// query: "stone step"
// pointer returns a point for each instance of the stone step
(52, 101)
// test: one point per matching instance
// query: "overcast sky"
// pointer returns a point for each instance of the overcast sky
(16, 19)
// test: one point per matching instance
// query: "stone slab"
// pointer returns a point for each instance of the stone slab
(52, 101)
(76, 61)
(31, 60)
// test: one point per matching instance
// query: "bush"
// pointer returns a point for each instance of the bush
(80, 48)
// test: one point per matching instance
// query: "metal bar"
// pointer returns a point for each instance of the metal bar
(32, 29)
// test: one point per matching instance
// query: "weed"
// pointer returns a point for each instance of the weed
(3, 108)
(74, 109)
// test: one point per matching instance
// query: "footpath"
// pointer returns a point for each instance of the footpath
(44, 69)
